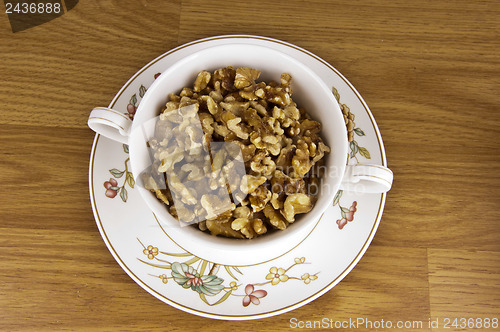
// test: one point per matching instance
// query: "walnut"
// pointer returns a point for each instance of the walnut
(180, 191)
(277, 200)
(222, 217)
(249, 183)
(172, 97)
(285, 157)
(202, 225)
(206, 123)
(150, 184)
(184, 214)
(169, 159)
(214, 205)
(248, 93)
(275, 95)
(282, 183)
(226, 78)
(259, 198)
(286, 80)
(258, 226)
(252, 118)
(242, 212)
(259, 107)
(259, 142)
(294, 129)
(221, 130)
(275, 218)
(322, 149)
(309, 127)
(261, 163)
(213, 106)
(223, 229)
(235, 107)
(186, 92)
(233, 126)
(244, 225)
(202, 81)
(274, 126)
(295, 204)
(194, 172)
(245, 77)
(247, 150)
(279, 114)
(300, 161)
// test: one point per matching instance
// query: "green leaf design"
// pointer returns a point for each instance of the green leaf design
(342, 214)
(211, 285)
(123, 194)
(116, 173)
(142, 91)
(179, 271)
(345, 210)
(359, 132)
(130, 179)
(125, 148)
(186, 276)
(354, 148)
(336, 94)
(364, 152)
(133, 100)
(336, 199)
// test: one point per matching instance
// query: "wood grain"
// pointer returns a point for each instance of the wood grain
(429, 70)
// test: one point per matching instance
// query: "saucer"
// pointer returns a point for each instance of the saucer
(196, 285)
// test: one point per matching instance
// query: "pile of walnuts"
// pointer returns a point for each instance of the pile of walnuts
(277, 142)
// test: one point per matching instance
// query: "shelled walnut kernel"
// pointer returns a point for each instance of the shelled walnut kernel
(279, 144)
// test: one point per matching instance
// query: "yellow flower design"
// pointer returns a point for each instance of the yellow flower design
(151, 252)
(163, 278)
(233, 285)
(300, 260)
(308, 278)
(276, 275)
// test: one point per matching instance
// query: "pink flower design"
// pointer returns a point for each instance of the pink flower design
(353, 206)
(253, 296)
(111, 188)
(350, 215)
(347, 215)
(157, 74)
(193, 280)
(341, 222)
(131, 109)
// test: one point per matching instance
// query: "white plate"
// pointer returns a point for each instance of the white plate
(152, 260)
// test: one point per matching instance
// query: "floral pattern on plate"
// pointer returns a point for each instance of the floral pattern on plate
(210, 279)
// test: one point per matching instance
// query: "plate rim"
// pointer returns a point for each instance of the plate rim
(281, 310)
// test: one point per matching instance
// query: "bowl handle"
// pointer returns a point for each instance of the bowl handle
(367, 178)
(110, 123)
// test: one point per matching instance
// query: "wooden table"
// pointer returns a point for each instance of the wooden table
(429, 70)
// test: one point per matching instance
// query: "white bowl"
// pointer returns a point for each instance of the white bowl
(308, 91)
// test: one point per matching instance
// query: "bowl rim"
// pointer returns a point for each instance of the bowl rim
(163, 216)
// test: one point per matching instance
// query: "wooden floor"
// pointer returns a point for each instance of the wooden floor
(429, 70)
